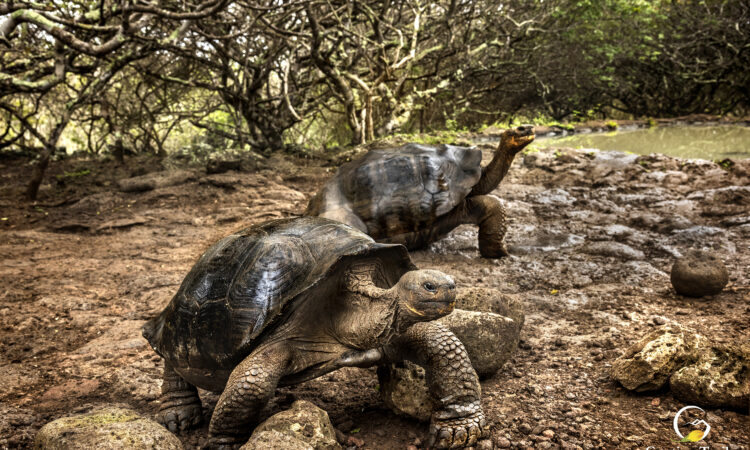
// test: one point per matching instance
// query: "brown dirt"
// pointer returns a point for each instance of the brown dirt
(86, 265)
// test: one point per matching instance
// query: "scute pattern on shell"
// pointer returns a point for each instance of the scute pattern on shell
(243, 282)
(401, 190)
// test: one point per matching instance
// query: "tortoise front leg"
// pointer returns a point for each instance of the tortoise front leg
(251, 385)
(489, 214)
(452, 381)
(180, 405)
(483, 210)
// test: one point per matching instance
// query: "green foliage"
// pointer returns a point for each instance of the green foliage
(725, 164)
(438, 137)
(484, 64)
(76, 174)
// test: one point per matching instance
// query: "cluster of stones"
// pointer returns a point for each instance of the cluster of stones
(698, 371)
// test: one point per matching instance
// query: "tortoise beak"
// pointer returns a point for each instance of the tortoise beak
(525, 130)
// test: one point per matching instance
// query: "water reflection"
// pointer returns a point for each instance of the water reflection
(704, 142)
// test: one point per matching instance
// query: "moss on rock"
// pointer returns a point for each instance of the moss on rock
(105, 428)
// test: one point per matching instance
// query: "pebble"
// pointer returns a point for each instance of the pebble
(357, 442)
(502, 442)
(484, 444)
(549, 434)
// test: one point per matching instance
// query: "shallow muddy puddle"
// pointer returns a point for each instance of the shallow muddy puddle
(695, 142)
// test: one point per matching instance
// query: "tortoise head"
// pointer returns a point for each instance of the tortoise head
(424, 295)
(514, 140)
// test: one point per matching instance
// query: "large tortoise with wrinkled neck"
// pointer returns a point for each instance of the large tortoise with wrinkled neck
(290, 300)
(415, 194)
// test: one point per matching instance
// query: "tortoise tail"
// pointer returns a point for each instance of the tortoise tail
(152, 330)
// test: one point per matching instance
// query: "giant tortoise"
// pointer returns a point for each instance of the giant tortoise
(415, 194)
(290, 300)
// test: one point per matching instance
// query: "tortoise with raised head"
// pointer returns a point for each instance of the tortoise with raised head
(415, 194)
(290, 300)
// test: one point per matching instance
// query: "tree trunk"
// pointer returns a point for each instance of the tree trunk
(49, 148)
(119, 151)
(369, 132)
(38, 172)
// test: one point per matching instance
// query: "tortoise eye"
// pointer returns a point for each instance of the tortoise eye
(429, 286)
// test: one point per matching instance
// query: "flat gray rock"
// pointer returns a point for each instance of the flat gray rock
(613, 249)
(155, 180)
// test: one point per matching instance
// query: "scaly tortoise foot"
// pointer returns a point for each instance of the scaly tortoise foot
(459, 432)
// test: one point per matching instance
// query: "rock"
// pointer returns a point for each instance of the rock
(155, 180)
(404, 390)
(729, 195)
(613, 249)
(223, 165)
(502, 442)
(304, 422)
(720, 378)
(698, 274)
(106, 428)
(553, 197)
(538, 159)
(490, 300)
(697, 233)
(484, 444)
(614, 159)
(275, 440)
(674, 223)
(542, 241)
(463, 239)
(648, 364)
(490, 339)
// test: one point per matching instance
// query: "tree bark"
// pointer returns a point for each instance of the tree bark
(37, 173)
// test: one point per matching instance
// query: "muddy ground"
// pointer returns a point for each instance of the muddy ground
(593, 238)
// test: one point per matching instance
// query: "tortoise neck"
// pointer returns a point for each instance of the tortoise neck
(358, 280)
(496, 170)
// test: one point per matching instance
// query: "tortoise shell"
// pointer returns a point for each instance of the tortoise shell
(401, 190)
(240, 287)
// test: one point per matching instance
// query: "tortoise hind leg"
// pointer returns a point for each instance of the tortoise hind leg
(180, 405)
(251, 385)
